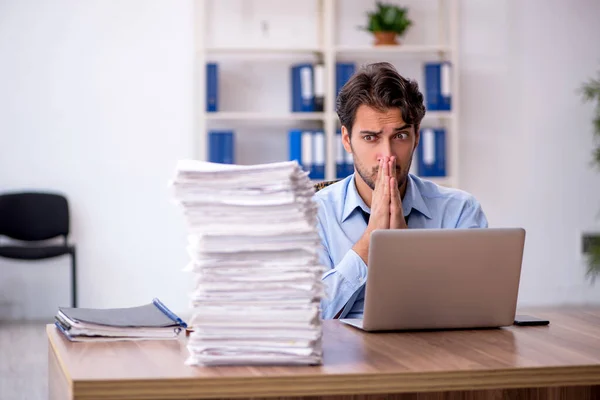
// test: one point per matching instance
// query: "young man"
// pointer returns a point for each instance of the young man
(380, 113)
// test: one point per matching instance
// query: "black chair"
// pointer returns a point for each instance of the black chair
(31, 217)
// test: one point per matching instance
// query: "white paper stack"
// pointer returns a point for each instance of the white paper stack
(253, 245)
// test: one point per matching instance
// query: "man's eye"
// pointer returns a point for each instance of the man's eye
(368, 138)
(402, 136)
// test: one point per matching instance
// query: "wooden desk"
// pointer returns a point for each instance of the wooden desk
(557, 361)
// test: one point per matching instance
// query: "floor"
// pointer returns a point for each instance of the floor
(23, 361)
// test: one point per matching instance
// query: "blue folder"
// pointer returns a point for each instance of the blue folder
(431, 153)
(438, 95)
(212, 87)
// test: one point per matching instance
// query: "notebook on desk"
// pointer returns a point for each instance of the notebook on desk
(149, 321)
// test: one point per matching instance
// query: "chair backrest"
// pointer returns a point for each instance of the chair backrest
(34, 215)
(324, 184)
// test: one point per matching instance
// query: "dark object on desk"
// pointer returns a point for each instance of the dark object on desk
(33, 217)
(528, 320)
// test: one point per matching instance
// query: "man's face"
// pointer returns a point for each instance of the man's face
(376, 135)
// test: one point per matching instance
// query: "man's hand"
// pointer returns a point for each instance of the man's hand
(396, 215)
(380, 200)
(380, 209)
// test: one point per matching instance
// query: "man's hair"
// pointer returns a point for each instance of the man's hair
(381, 87)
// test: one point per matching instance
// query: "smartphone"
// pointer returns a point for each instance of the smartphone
(528, 320)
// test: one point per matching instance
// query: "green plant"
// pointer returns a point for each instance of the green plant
(591, 92)
(388, 18)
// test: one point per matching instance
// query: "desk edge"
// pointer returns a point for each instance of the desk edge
(324, 385)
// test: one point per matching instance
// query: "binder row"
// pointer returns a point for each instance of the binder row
(309, 149)
(308, 87)
(308, 146)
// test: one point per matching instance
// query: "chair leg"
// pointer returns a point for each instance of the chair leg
(73, 279)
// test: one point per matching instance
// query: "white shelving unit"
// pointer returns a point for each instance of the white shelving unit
(329, 52)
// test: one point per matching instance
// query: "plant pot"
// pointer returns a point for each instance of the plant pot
(385, 38)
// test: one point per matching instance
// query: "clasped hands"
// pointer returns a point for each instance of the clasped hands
(386, 204)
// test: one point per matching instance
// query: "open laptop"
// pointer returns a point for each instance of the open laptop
(421, 279)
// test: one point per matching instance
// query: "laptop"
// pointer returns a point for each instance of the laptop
(421, 279)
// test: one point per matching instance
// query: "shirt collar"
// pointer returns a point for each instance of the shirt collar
(353, 200)
(412, 200)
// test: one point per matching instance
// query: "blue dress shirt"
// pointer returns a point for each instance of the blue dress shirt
(341, 224)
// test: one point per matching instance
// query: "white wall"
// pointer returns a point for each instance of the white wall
(527, 136)
(97, 102)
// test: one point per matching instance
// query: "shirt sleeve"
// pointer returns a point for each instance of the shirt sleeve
(342, 281)
(472, 215)
(342, 284)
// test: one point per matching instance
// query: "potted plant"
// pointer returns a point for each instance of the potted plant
(591, 92)
(387, 22)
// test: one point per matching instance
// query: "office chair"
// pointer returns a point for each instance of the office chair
(324, 184)
(35, 216)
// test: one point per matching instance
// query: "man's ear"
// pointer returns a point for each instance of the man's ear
(346, 139)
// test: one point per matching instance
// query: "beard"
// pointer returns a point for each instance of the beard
(369, 176)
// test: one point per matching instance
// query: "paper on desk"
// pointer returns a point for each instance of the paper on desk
(254, 252)
(244, 256)
(211, 358)
(229, 333)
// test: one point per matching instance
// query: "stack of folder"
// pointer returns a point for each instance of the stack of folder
(253, 245)
(150, 321)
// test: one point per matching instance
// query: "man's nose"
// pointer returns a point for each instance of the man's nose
(385, 150)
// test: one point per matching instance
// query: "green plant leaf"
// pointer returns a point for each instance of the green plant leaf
(388, 18)
(596, 122)
(597, 156)
(593, 260)
(590, 91)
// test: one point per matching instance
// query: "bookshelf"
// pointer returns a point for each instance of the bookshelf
(329, 49)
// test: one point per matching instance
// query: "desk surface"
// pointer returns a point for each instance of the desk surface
(566, 353)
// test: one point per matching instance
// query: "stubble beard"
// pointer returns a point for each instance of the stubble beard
(370, 179)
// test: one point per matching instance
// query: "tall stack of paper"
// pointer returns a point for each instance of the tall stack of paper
(253, 245)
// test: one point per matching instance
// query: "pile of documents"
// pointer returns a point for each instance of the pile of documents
(152, 321)
(253, 244)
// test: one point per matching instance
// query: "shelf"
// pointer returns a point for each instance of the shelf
(236, 51)
(261, 116)
(429, 115)
(300, 116)
(438, 115)
(355, 50)
(400, 49)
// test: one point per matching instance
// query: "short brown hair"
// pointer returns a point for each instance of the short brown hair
(381, 87)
